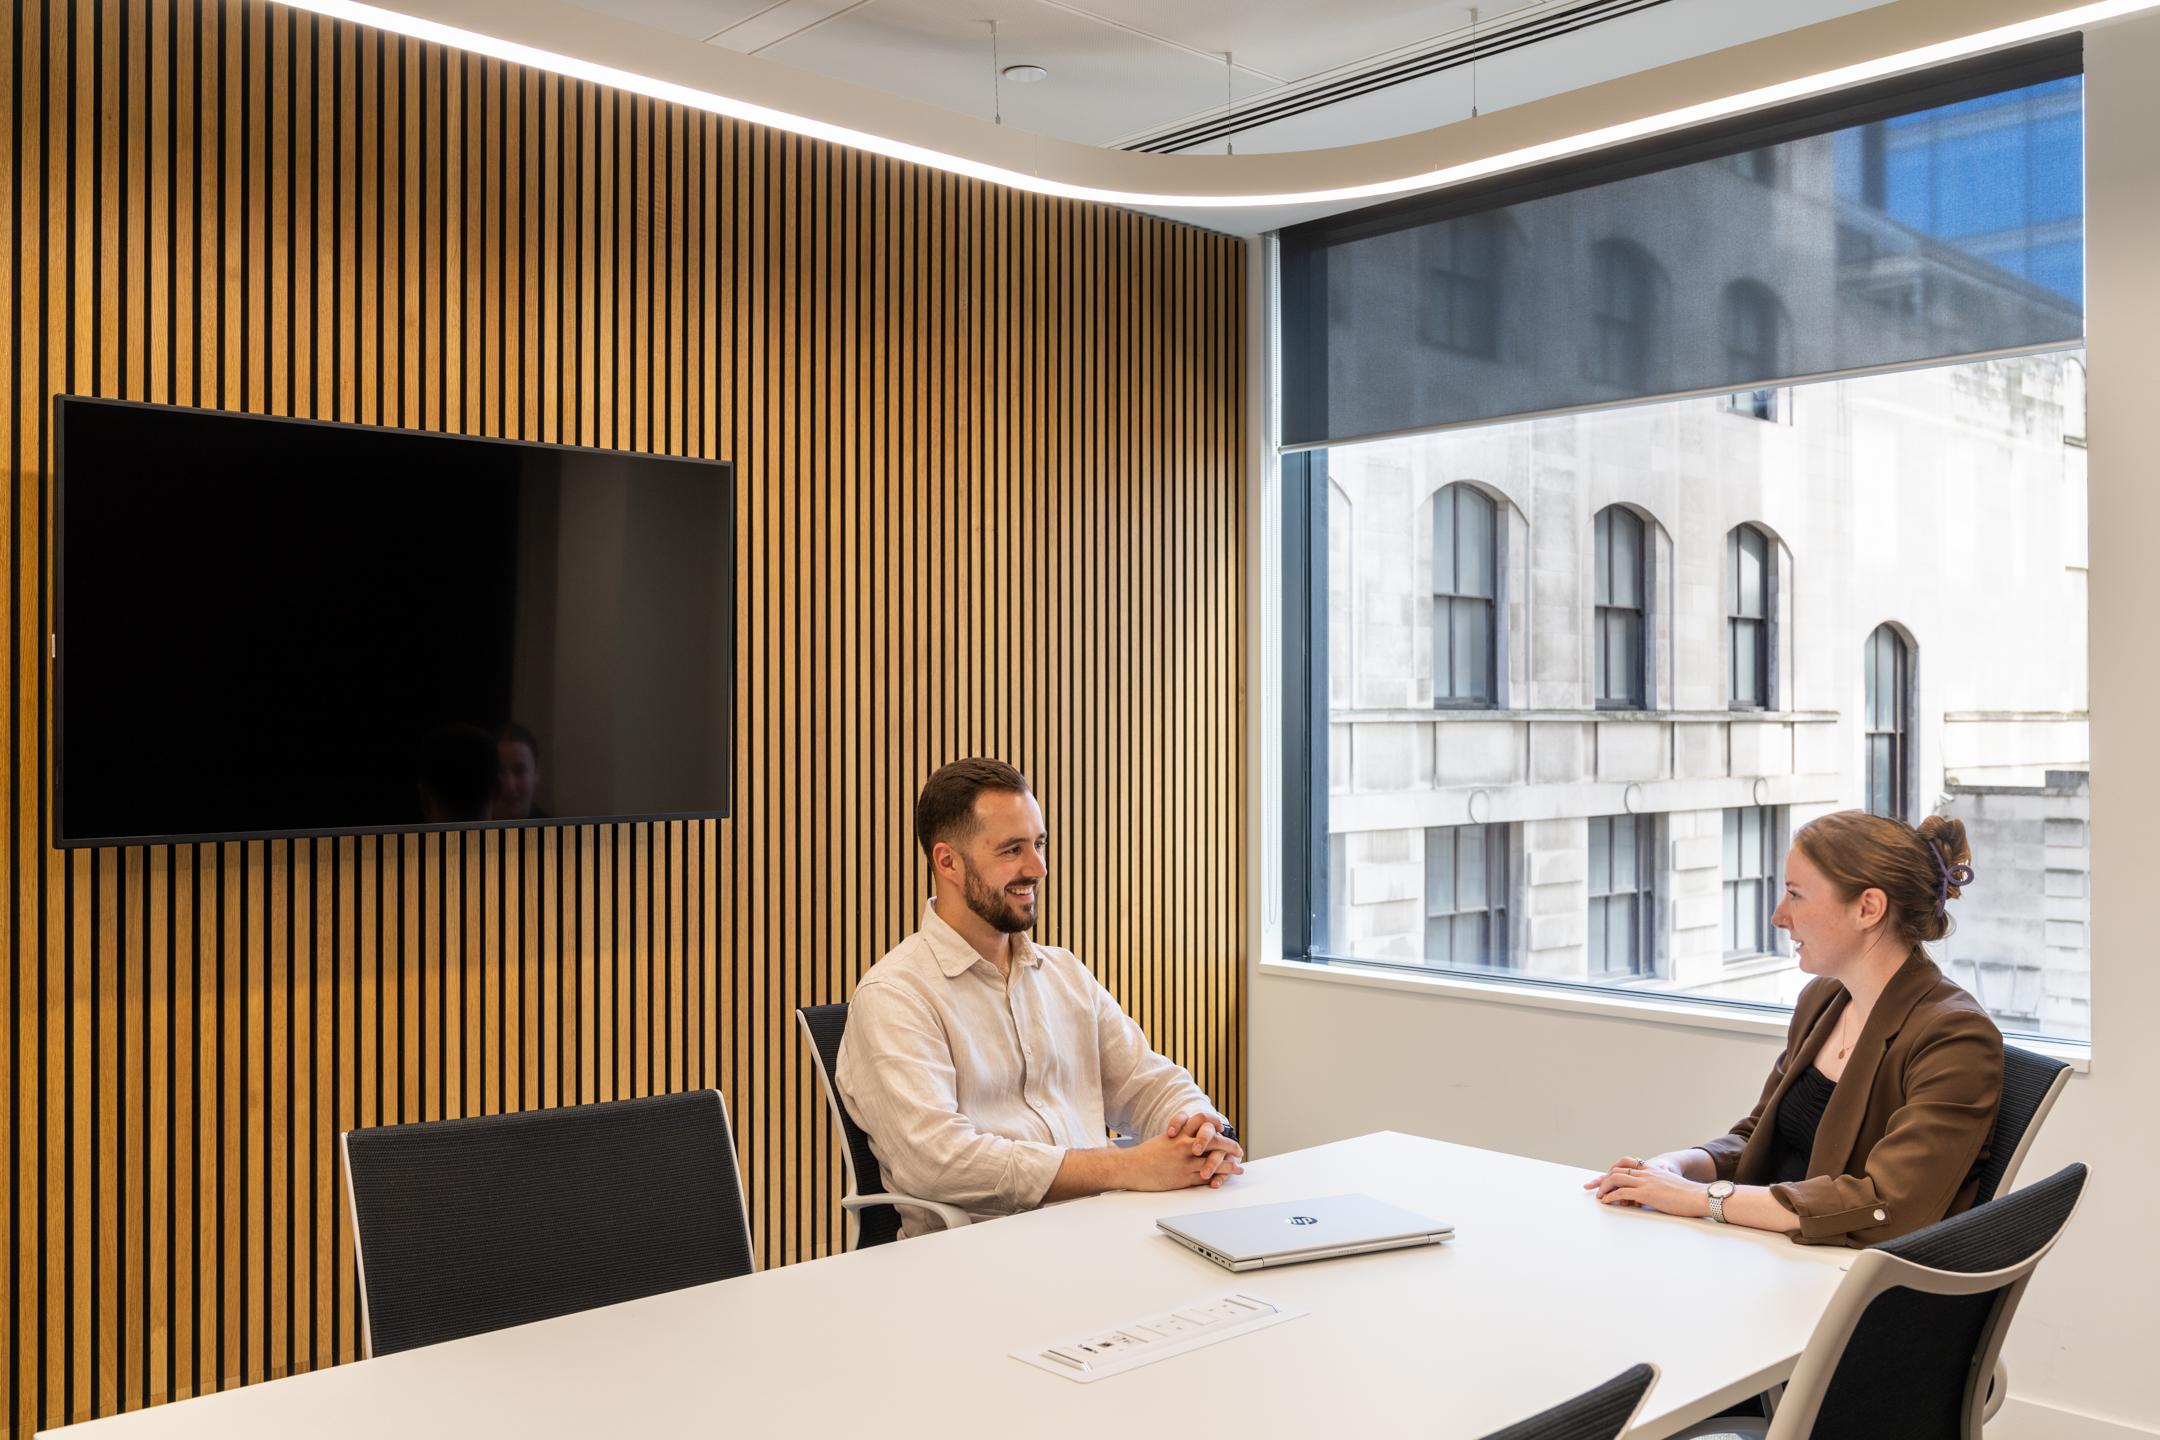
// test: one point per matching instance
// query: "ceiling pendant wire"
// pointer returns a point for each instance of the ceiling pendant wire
(997, 80)
(1473, 62)
(1229, 96)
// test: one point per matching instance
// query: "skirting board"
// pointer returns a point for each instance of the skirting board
(2031, 1420)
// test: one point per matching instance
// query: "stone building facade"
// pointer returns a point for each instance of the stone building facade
(1547, 831)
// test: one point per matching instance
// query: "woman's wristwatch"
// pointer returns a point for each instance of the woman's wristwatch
(1717, 1192)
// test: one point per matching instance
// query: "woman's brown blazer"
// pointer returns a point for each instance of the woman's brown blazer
(1901, 1142)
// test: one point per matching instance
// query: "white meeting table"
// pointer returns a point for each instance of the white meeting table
(1542, 1294)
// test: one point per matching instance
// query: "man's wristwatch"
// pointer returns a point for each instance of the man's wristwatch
(1717, 1192)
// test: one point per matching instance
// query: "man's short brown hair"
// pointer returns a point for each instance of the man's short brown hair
(946, 808)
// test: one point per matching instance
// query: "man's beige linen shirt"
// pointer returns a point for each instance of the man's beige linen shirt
(972, 1086)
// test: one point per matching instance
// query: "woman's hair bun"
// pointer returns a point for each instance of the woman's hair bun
(1947, 838)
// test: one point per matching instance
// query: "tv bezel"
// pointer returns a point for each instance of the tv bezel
(56, 561)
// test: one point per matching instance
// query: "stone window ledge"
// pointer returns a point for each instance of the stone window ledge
(1663, 1008)
(1458, 716)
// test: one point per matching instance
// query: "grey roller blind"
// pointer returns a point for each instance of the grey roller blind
(1924, 219)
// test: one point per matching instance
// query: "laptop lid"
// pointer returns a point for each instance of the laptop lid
(1337, 1223)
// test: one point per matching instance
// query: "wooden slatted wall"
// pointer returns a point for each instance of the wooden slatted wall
(988, 459)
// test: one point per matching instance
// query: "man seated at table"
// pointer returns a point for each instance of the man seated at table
(985, 1067)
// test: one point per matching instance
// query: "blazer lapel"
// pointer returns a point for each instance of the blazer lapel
(1848, 1107)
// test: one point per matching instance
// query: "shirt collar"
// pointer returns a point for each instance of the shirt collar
(955, 956)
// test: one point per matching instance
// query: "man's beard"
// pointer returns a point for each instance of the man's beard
(995, 908)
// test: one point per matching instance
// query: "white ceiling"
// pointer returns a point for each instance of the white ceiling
(1121, 70)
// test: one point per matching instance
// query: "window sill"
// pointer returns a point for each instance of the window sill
(1661, 1008)
(1494, 712)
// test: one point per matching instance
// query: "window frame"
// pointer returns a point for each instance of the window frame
(1904, 695)
(1300, 274)
(1773, 840)
(1498, 909)
(1771, 638)
(1646, 964)
(1496, 604)
(1643, 673)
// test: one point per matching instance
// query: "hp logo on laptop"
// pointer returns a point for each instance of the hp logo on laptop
(1304, 1219)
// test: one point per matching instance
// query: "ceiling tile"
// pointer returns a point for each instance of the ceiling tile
(695, 19)
(1103, 80)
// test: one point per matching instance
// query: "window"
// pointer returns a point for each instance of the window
(1751, 595)
(1753, 850)
(1498, 694)
(1754, 335)
(1884, 706)
(1619, 589)
(1465, 598)
(1753, 327)
(1626, 288)
(1755, 404)
(1461, 298)
(1620, 892)
(1466, 886)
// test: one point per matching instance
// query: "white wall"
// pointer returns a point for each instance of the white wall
(1331, 1060)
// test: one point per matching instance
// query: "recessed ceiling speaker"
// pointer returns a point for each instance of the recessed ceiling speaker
(1025, 74)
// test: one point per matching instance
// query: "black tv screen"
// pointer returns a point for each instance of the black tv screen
(270, 627)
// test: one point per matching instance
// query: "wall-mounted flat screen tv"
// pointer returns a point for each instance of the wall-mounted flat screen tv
(269, 627)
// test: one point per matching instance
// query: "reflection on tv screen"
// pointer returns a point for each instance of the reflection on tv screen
(276, 627)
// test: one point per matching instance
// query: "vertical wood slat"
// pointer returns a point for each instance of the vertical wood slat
(987, 449)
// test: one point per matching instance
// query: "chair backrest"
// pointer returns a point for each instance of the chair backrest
(1908, 1343)
(1600, 1414)
(465, 1226)
(2030, 1084)
(823, 1025)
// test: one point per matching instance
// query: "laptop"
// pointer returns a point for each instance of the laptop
(1253, 1237)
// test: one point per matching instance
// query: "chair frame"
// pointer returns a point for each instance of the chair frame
(1873, 1272)
(352, 1208)
(854, 1201)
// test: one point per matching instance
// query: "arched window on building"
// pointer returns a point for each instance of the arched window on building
(1887, 710)
(1626, 298)
(1622, 591)
(1466, 598)
(1751, 619)
(1465, 262)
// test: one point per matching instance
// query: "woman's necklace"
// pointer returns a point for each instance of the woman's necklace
(1841, 1026)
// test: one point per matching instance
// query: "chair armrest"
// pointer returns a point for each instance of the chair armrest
(1998, 1390)
(953, 1217)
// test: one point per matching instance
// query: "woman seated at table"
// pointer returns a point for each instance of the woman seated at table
(1875, 1120)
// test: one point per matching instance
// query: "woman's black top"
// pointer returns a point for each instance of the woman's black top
(1798, 1114)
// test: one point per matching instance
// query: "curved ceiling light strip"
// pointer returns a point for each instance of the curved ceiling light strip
(1995, 39)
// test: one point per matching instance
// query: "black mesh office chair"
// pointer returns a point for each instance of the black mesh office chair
(465, 1226)
(1909, 1340)
(1601, 1414)
(867, 1200)
(2031, 1084)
